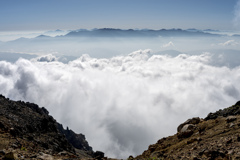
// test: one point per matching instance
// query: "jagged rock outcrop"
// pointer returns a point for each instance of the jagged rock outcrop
(29, 132)
(98, 155)
(215, 137)
(233, 110)
(77, 140)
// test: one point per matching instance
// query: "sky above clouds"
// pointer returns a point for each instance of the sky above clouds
(153, 14)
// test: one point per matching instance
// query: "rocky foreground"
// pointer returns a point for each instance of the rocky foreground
(29, 132)
(215, 137)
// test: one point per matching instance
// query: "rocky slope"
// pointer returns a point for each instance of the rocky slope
(215, 137)
(29, 132)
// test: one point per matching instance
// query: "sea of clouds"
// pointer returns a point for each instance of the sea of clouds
(124, 103)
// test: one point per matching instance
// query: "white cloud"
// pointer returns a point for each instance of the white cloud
(125, 103)
(229, 43)
(46, 58)
(169, 44)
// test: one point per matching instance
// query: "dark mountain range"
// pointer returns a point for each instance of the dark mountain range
(43, 36)
(118, 33)
(110, 32)
(236, 35)
(211, 30)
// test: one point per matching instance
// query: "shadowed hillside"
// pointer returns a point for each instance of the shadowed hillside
(215, 137)
(29, 132)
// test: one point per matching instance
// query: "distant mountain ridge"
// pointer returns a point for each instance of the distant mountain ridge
(121, 33)
(112, 32)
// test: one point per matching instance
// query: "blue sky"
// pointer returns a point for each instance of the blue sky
(18, 15)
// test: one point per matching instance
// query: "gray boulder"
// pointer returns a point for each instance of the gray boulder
(194, 120)
(188, 127)
(186, 131)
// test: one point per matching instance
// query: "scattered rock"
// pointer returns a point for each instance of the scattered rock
(194, 120)
(184, 134)
(188, 127)
(231, 119)
(2, 153)
(157, 154)
(230, 152)
(33, 156)
(151, 148)
(214, 154)
(201, 152)
(229, 141)
(195, 158)
(45, 157)
(186, 131)
(2, 125)
(211, 116)
(63, 153)
(15, 145)
(10, 156)
(98, 155)
(231, 125)
(192, 140)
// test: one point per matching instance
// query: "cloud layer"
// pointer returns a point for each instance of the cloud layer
(169, 44)
(123, 104)
(229, 43)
